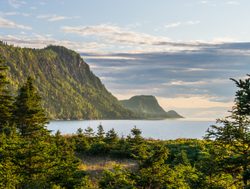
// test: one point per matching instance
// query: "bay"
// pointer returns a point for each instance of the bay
(155, 129)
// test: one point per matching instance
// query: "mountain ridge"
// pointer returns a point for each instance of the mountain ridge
(66, 84)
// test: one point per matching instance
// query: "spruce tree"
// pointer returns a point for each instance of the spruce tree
(29, 115)
(100, 133)
(6, 100)
(111, 136)
(242, 100)
(233, 134)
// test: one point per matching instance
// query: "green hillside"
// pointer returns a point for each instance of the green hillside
(147, 106)
(68, 87)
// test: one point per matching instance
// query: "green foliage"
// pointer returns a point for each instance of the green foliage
(67, 86)
(137, 147)
(100, 133)
(117, 178)
(81, 143)
(181, 158)
(242, 100)
(29, 116)
(233, 134)
(136, 135)
(6, 100)
(183, 163)
(89, 132)
(111, 137)
(153, 171)
(8, 167)
(65, 172)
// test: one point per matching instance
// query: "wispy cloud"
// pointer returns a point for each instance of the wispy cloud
(197, 82)
(225, 39)
(17, 3)
(203, 2)
(173, 25)
(115, 34)
(41, 41)
(13, 13)
(4, 23)
(214, 3)
(185, 83)
(54, 17)
(233, 3)
(178, 24)
(123, 39)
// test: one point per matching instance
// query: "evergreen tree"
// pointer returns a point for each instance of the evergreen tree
(64, 172)
(34, 155)
(82, 142)
(233, 134)
(111, 136)
(242, 100)
(136, 134)
(35, 160)
(100, 132)
(79, 132)
(6, 100)
(153, 172)
(29, 116)
(138, 147)
(89, 132)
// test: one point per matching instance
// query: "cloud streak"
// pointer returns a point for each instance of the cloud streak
(232, 3)
(178, 24)
(16, 3)
(15, 14)
(41, 41)
(124, 39)
(115, 34)
(54, 17)
(5, 23)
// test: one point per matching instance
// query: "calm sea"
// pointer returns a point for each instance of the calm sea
(156, 129)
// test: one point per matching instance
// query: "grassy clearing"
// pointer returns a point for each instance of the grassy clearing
(94, 165)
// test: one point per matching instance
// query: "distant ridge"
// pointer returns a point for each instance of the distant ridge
(147, 106)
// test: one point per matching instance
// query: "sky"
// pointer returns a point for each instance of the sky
(183, 52)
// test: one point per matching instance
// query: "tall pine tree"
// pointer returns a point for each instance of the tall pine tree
(29, 116)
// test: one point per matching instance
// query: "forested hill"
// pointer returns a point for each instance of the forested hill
(148, 107)
(67, 86)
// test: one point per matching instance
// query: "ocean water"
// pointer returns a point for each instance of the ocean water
(156, 129)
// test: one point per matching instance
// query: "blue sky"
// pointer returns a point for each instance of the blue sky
(183, 52)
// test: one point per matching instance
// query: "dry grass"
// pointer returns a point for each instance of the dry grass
(94, 165)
